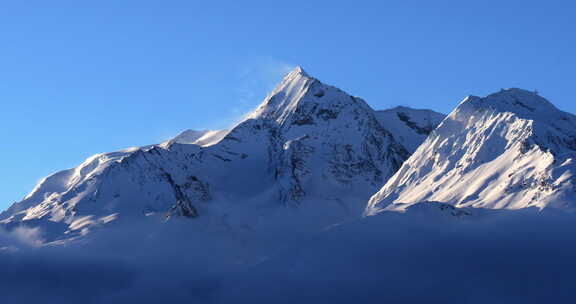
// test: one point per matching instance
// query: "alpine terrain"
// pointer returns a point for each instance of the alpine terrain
(510, 150)
(310, 151)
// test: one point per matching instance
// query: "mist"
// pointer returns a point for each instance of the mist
(523, 257)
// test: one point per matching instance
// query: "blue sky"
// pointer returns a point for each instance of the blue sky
(79, 78)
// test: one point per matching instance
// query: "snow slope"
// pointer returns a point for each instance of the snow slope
(310, 155)
(201, 138)
(512, 149)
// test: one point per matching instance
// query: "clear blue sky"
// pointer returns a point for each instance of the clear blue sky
(84, 77)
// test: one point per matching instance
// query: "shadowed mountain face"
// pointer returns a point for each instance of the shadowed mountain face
(310, 153)
(409, 126)
(512, 149)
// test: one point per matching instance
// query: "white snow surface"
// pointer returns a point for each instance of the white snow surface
(309, 156)
(509, 150)
(202, 138)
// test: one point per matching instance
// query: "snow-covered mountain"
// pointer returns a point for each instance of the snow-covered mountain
(241, 209)
(509, 150)
(309, 150)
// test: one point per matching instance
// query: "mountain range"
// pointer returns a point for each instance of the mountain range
(311, 156)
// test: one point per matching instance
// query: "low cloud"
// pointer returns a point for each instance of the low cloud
(19, 238)
(516, 258)
(511, 258)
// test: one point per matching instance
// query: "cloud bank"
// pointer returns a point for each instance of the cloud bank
(512, 258)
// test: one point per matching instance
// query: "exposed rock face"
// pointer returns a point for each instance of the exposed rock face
(409, 126)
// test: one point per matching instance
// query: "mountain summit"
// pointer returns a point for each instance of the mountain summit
(519, 101)
(286, 97)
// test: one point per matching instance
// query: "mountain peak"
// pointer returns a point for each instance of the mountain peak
(515, 100)
(516, 94)
(297, 71)
(296, 88)
(297, 74)
(303, 100)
